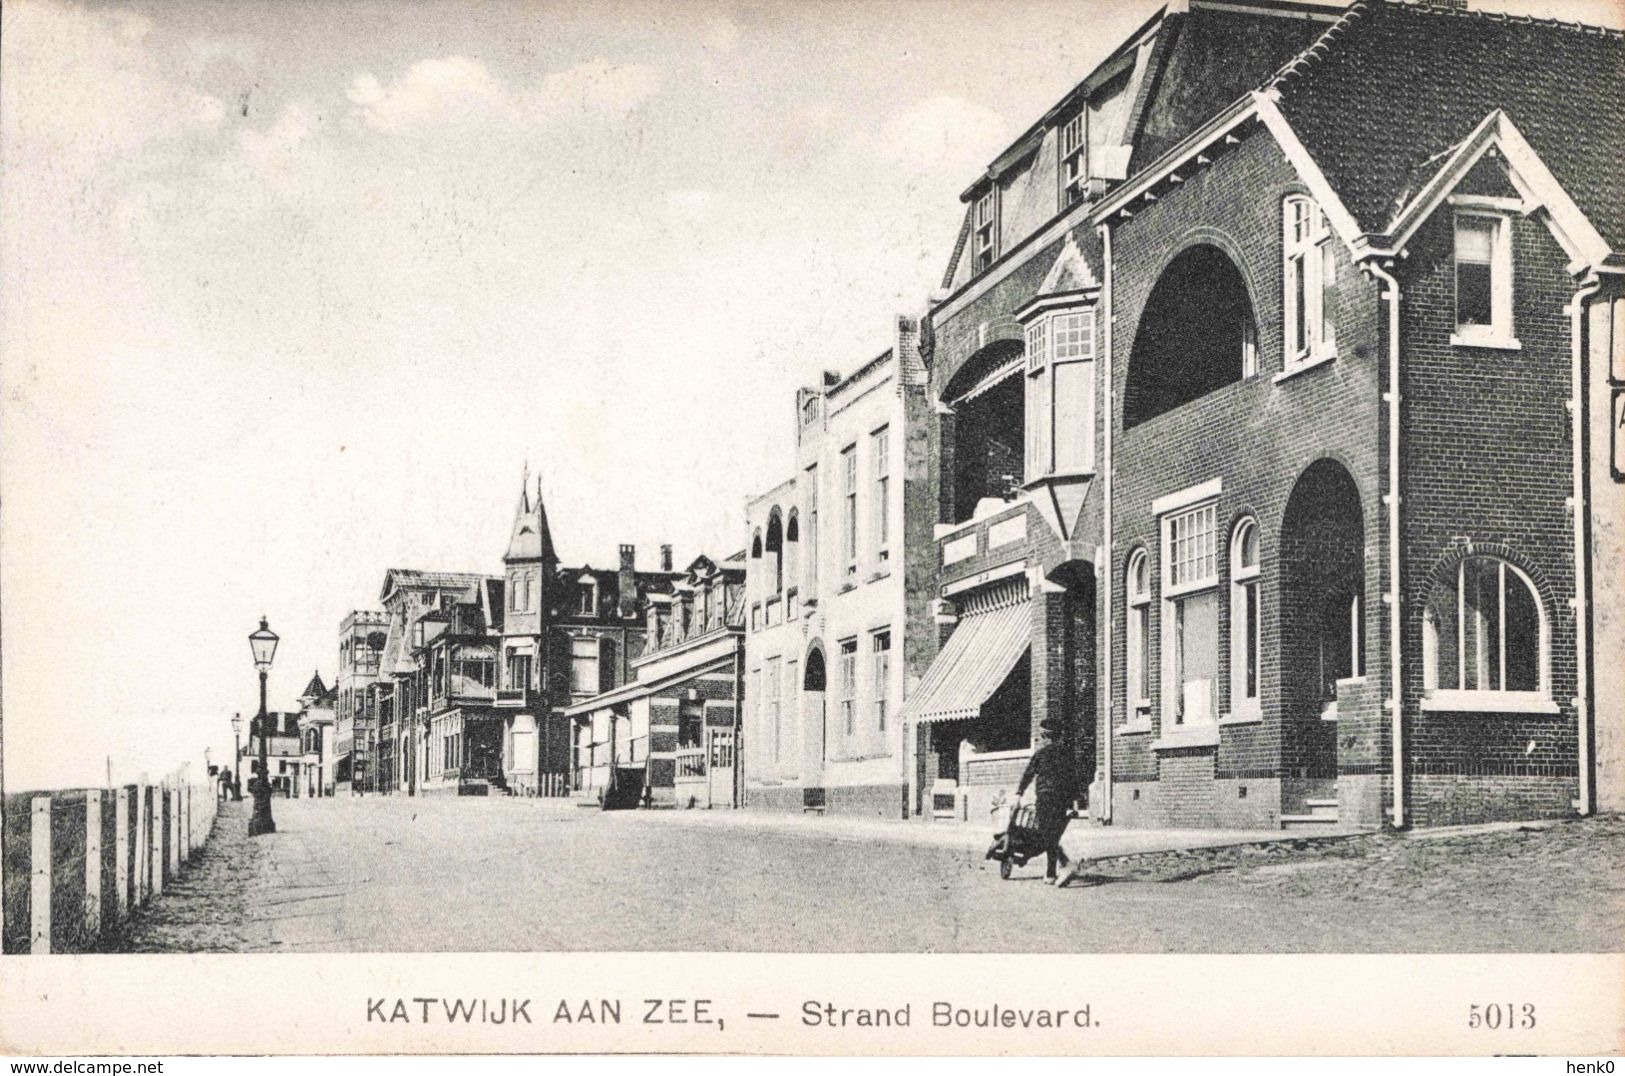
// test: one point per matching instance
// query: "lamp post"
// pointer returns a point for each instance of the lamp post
(237, 759)
(263, 644)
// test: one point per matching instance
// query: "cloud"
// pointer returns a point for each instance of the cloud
(431, 96)
(720, 34)
(440, 97)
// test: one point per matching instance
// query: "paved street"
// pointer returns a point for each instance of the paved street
(520, 875)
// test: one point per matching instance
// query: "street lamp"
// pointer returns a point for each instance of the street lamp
(263, 644)
(237, 759)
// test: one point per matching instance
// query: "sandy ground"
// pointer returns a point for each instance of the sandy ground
(398, 874)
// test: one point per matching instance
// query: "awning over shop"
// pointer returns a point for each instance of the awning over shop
(979, 655)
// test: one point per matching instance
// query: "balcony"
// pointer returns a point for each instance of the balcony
(980, 545)
(515, 698)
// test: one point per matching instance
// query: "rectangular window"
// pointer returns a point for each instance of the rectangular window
(849, 685)
(589, 599)
(584, 679)
(1191, 547)
(880, 452)
(1483, 270)
(1190, 617)
(1309, 269)
(812, 533)
(849, 476)
(1038, 407)
(1074, 152)
(774, 729)
(880, 649)
(985, 229)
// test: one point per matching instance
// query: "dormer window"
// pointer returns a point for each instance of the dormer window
(588, 598)
(1074, 150)
(809, 410)
(1483, 272)
(985, 229)
(1309, 270)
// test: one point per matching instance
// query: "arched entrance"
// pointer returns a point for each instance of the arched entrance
(812, 717)
(1322, 618)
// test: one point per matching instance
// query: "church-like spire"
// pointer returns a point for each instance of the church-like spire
(531, 540)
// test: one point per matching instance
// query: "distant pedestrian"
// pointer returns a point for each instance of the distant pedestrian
(1051, 768)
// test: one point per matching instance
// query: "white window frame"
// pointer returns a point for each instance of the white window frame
(1308, 251)
(1055, 341)
(880, 506)
(985, 229)
(1073, 151)
(1137, 587)
(597, 658)
(849, 505)
(588, 595)
(847, 666)
(1245, 583)
(775, 709)
(1486, 700)
(880, 674)
(1178, 587)
(1499, 333)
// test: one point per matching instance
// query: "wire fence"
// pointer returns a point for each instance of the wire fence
(74, 864)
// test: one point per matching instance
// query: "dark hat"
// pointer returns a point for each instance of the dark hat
(1051, 723)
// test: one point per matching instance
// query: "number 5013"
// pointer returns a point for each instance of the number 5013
(1496, 1017)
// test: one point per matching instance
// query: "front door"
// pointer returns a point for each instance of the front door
(719, 768)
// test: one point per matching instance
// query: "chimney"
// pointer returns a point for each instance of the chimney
(627, 583)
(665, 558)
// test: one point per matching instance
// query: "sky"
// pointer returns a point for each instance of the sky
(292, 292)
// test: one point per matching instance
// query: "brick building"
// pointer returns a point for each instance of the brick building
(838, 585)
(1015, 343)
(1234, 300)
(567, 634)
(668, 735)
(1345, 451)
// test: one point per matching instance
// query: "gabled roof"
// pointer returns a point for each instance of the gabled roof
(1392, 88)
(315, 689)
(532, 538)
(398, 578)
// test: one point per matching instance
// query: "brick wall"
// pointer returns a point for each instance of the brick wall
(1258, 436)
(1487, 458)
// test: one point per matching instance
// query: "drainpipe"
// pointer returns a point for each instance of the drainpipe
(1396, 707)
(1109, 411)
(1579, 510)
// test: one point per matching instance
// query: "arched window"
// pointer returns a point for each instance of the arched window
(1308, 270)
(774, 549)
(1139, 635)
(1246, 619)
(792, 564)
(1484, 639)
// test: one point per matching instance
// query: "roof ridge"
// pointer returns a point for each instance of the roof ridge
(1427, 7)
(1319, 47)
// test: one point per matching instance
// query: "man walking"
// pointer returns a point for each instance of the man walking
(1051, 768)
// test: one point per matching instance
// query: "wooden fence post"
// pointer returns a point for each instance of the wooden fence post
(157, 860)
(121, 853)
(39, 869)
(93, 863)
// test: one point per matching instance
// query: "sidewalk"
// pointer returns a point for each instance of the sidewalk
(1083, 838)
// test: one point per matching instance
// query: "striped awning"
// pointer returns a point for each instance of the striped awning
(969, 669)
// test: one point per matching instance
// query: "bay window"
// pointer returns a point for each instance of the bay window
(1060, 428)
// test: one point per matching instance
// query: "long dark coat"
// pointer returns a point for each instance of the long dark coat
(1051, 767)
